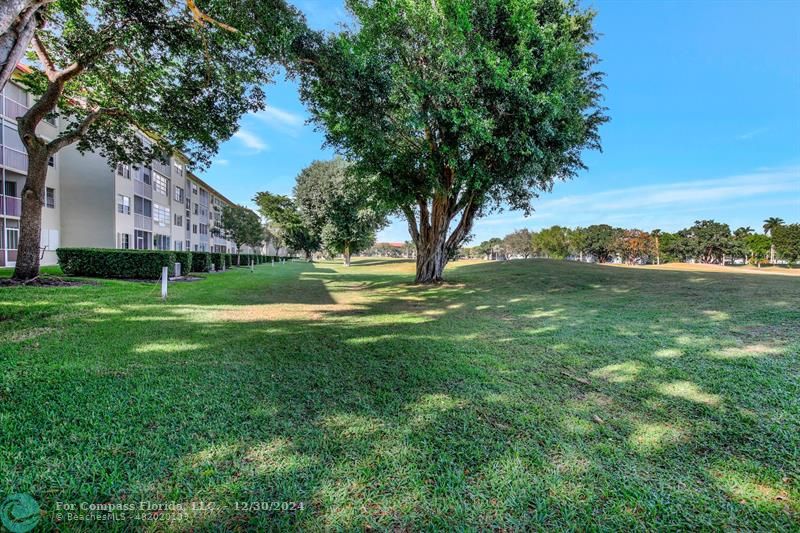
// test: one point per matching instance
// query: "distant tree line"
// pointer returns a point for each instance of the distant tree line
(707, 241)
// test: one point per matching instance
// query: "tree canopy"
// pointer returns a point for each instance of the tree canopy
(458, 106)
(519, 243)
(786, 238)
(239, 224)
(329, 196)
(136, 80)
(285, 219)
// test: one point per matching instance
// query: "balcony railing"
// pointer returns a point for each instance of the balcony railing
(161, 168)
(10, 206)
(143, 222)
(142, 189)
(15, 159)
(13, 109)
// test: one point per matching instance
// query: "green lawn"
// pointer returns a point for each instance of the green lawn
(525, 394)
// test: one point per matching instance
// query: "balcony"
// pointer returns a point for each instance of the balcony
(161, 168)
(142, 222)
(10, 206)
(142, 189)
(15, 159)
(13, 109)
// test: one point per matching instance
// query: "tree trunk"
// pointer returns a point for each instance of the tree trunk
(27, 266)
(431, 240)
(18, 22)
(346, 254)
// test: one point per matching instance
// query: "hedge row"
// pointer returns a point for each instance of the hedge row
(185, 259)
(202, 261)
(146, 264)
(110, 263)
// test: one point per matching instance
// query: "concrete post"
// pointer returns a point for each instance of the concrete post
(164, 281)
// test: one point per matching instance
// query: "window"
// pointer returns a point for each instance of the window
(196, 209)
(188, 246)
(12, 234)
(52, 161)
(194, 228)
(123, 171)
(142, 206)
(161, 215)
(123, 241)
(16, 93)
(141, 239)
(203, 229)
(123, 204)
(178, 169)
(203, 196)
(187, 224)
(160, 184)
(178, 220)
(178, 194)
(50, 197)
(11, 188)
(161, 242)
(178, 246)
(194, 188)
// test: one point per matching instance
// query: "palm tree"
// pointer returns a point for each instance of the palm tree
(738, 239)
(656, 233)
(769, 226)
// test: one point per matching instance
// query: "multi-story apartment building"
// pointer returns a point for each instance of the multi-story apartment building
(14, 168)
(153, 205)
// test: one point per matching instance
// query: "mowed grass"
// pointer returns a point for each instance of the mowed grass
(519, 395)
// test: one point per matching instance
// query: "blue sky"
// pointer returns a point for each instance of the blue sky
(704, 99)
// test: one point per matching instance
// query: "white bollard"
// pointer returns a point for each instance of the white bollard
(164, 280)
(212, 269)
(273, 261)
(177, 270)
(251, 264)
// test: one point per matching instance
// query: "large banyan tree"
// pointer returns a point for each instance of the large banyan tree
(459, 106)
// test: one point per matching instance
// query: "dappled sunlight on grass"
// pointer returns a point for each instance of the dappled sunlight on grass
(620, 373)
(688, 391)
(168, 347)
(652, 437)
(750, 350)
(717, 316)
(525, 395)
(668, 353)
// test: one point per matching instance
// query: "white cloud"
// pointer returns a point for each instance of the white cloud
(279, 119)
(274, 115)
(750, 134)
(222, 162)
(251, 140)
(668, 201)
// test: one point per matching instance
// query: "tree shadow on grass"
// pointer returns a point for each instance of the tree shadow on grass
(471, 404)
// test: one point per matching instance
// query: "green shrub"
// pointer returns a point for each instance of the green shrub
(228, 261)
(185, 259)
(201, 261)
(111, 263)
(217, 259)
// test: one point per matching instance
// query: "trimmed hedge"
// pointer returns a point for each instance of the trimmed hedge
(228, 261)
(201, 261)
(111, 263)
(217, 259)
(185, 259)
